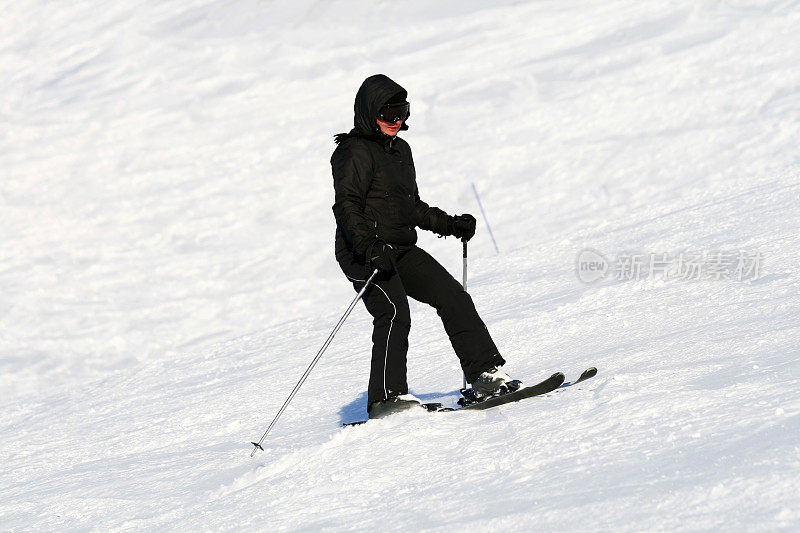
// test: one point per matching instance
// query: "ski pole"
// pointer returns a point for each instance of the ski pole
(465, 285)
(257, 445)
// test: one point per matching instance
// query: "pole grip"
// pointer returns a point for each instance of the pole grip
(464, 270)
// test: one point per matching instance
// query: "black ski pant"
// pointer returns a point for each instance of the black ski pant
(421, 277)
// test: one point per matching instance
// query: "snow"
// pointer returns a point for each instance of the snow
(167, 267)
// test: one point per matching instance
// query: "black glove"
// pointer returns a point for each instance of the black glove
(463, 227)
(382, 256)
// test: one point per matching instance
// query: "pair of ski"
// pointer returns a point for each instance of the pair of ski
(554, 382)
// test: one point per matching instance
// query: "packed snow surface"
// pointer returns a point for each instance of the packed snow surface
(167, 265)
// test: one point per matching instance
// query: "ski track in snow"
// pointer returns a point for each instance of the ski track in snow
(167, 265)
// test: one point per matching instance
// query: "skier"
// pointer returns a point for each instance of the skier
(377, 208)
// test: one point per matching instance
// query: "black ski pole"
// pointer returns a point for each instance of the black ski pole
(465, 285)
(257, 445)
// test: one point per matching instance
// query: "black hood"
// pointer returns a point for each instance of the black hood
(371, 96)
(374, 92)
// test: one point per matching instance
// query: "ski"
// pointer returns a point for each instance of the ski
(548, 385)
(356, 423)
(587, 374)
(553, 383)
(432, 407)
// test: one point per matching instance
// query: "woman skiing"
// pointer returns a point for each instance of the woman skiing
(377, 208)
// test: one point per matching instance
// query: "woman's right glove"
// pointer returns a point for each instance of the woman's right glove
(463, 227)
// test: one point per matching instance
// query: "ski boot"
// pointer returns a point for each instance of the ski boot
(494, 382)
(391, 405)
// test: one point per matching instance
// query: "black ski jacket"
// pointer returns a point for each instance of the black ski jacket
(374, 180)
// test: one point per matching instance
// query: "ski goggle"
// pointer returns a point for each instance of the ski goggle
(395, 112)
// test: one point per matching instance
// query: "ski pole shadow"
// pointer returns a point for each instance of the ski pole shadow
(449, 398)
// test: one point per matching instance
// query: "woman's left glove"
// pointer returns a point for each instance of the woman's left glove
(463, 227)
(382, 256)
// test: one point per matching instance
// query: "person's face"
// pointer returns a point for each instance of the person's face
(389, 128)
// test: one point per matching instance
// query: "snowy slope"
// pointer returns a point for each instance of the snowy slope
(167, 267)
